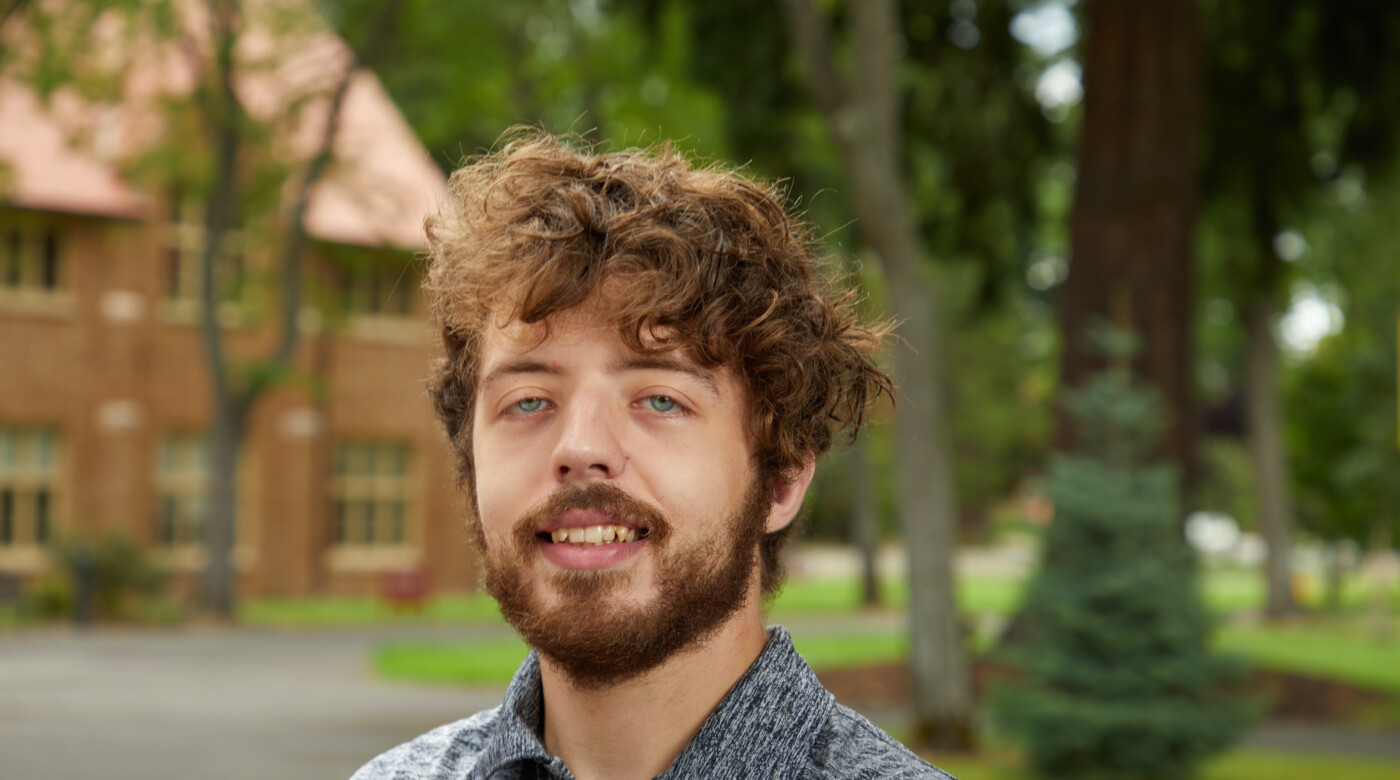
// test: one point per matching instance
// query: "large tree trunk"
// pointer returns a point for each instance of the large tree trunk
(1263, 409)
(233, 400)
(864, 120)
(1136, 203)
(943, 703)
(223, 123)
(221, 519)
(1266, 451)
(865, 523)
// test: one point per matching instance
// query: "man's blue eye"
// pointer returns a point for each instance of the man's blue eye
(662, 403)
(529, 405)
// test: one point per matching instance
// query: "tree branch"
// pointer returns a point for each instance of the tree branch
(295, 246)
(875, 95)
(222, 117)
(12, 8)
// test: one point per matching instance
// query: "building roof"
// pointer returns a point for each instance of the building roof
(41, 169)
(67, 156)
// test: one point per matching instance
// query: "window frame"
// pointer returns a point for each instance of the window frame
(33, 258)
(31, 471)
(359, 493)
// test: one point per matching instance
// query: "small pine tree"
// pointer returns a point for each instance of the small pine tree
(1115, 675)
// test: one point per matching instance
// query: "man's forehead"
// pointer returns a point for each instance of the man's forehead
(513, 334)
(514, 347)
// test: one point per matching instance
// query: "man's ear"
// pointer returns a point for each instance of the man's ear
(788, 491)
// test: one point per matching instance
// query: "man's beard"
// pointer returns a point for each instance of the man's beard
(597, 641)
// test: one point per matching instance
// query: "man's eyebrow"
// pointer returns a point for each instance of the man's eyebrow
(669, 362)
(515, 367)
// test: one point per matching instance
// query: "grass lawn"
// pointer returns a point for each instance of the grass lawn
(488, 662)
(492, 662)
(1226, 590)
(1337, 648)
(975, 594)
(1340, 650)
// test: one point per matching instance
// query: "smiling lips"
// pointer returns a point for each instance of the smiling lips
(599, 546)
(597, 537)
(594, 535)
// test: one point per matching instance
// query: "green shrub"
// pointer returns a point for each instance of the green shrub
(48, 598)
(123, 577)
(1116, 676)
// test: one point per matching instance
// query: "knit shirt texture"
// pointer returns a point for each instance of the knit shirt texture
(776, 722)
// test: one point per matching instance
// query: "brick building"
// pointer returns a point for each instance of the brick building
(104, 401)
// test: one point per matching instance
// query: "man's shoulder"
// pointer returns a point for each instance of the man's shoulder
(449, 751)
(852, 747)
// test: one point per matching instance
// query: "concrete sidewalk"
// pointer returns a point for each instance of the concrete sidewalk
(208, 705)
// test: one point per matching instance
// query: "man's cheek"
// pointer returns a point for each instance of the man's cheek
(494, 527)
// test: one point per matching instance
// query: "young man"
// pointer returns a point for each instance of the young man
(641, 370)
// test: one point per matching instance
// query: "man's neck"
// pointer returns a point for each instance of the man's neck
(637, 728)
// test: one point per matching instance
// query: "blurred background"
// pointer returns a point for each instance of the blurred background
(1137, 501)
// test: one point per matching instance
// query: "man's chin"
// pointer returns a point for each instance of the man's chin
(596, 626)
(567, 589)
(607, 625)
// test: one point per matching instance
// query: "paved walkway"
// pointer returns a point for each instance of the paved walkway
(285, 705)
(207, 705)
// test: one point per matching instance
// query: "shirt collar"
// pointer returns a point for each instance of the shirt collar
(767, 723)
(764, 727)
(517, 737)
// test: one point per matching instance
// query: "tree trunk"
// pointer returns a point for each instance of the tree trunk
(864, 121)
(232, 402)
(939, 666)
(221, 519)
(1266, 451)
(865, 522)
(223, 123)
(1136, 203)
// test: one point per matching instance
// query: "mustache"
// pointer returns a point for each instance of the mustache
(599, 497)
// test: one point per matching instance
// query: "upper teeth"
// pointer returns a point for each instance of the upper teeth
(595, 534)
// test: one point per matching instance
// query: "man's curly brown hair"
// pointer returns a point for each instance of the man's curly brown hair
(698, 259)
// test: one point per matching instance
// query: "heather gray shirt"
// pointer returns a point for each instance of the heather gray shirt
(776, 722)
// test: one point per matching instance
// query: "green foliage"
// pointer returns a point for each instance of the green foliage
(124, 580)
(1300, 109)
(48, 598)
(1340, 400)
(1001, 374)
(1002, 369)
(1340, 480)
(464, 72)
(1118, 680)
(1227, 481)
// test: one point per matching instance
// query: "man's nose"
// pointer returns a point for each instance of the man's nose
(588, 446)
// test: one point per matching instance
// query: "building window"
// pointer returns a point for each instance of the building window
(183, 253)
(381, 289)
(30, 258)
(369, 494)
(182, 490)
(28, 483)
